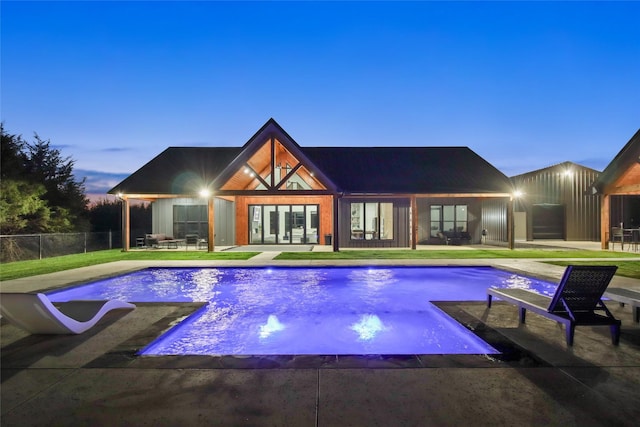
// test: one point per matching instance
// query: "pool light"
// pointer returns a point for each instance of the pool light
(368, 327)
(272, 325)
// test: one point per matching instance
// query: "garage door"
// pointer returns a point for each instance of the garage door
(548, 221)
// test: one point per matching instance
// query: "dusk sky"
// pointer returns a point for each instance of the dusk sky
(525, 85)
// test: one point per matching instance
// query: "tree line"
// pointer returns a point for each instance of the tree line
(40, 194)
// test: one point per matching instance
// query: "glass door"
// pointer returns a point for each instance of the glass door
(283, 224)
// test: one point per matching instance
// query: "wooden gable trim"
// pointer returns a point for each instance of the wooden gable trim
(627, 183)
(269, 134)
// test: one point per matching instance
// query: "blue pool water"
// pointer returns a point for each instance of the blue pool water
(320, 310)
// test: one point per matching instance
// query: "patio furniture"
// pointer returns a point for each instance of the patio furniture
(36, 314)
(576, 302)
(191, 239)
(158, 240)
(618, 234)
(626, 296)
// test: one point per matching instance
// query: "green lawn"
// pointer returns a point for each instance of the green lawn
(15, 270)
(625, 268)
(455, 254)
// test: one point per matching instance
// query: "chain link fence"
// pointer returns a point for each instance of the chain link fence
(38, 246)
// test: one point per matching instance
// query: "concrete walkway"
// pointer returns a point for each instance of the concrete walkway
(96, 379)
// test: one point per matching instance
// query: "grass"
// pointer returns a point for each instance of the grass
(18, 269)
(457, 254)
(625, 268)
(15, 270)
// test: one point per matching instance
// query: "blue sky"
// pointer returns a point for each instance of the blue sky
(524, 84)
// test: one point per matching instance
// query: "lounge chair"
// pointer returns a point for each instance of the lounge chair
(626, 296)
(577, 298)
(36, 314)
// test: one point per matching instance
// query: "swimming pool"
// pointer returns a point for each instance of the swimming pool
(319, 310)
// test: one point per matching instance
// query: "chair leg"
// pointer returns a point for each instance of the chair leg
(570, 330)
(615, 334)
(523, 314)
(489, 301)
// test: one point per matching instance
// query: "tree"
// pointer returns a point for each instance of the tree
(39, 191)
(12, 155)
(21, 208)
(46, 165)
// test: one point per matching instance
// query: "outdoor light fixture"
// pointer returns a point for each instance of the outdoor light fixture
(204, 193)
(517, 194)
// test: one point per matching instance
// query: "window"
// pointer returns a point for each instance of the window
(190, 219)
(371, 221)
(448, 218)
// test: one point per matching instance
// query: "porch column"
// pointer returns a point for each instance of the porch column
(211, 222)
(414, 222)
(605, 221)
(124, 203)
(336, 244)
(510, 224)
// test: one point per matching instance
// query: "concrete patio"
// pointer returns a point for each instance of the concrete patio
(96, 379)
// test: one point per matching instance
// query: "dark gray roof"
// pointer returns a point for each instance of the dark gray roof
(372, 170)
(629, 155)
(408, 170)
(182, 170)
(178, 170)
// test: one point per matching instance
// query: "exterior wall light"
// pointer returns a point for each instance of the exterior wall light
(518, 194)
(204, 193)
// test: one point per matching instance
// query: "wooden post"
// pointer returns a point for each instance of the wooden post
(414, 222)
(605, 221)
(211, 222)
(334, 232)
(125, 224)
(510, 224)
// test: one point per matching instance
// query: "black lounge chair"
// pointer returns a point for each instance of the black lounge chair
(578, 297)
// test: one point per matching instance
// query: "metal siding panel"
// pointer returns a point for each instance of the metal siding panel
(552, 186)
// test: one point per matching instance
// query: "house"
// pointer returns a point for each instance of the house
(273, 191)
(556, 203)
(619, 189)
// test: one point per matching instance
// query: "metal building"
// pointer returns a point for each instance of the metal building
(557, 203)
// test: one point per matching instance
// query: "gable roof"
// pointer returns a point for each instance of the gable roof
(178, 170)
(408, 170)
(621, 163)
(564, 166)
(371, 170)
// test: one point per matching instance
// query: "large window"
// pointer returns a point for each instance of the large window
(190, 219)
(371, 221)
(448, 219)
